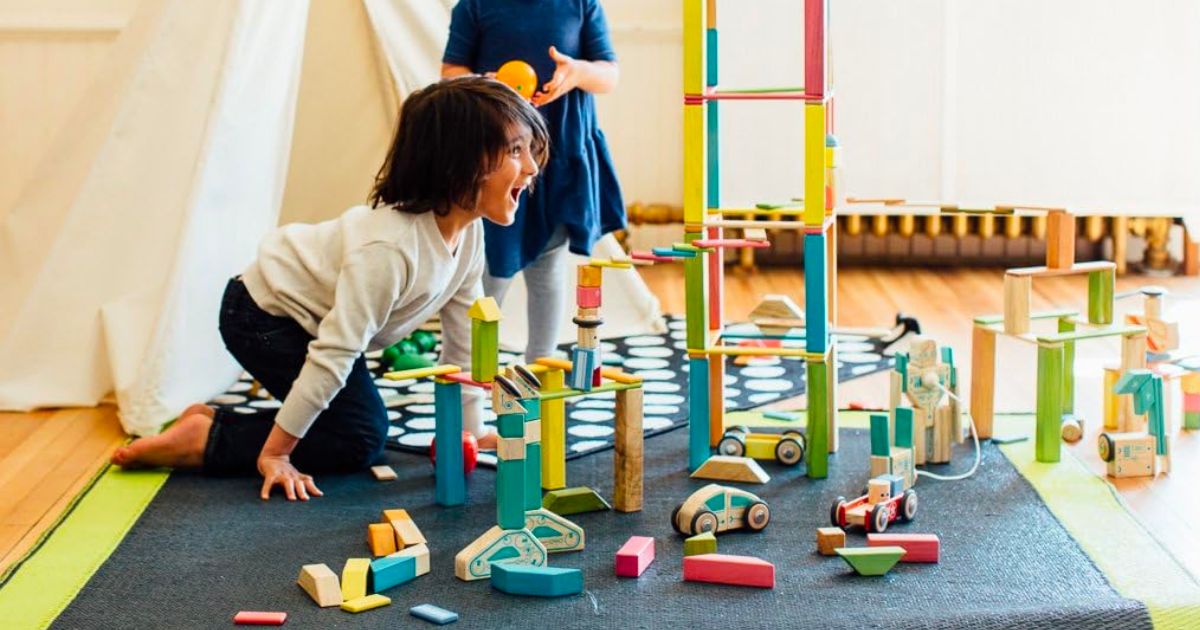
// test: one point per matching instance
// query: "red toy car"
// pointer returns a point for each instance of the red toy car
(877, 509)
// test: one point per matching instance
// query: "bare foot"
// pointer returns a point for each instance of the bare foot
(200, 408)
(487, 441)
(180, 446)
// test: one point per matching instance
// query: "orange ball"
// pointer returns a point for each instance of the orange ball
(519, 76)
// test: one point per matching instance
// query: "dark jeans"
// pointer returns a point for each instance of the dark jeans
(347, 436)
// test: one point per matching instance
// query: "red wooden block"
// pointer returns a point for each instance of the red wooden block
(255, 618)
(596, 377)
(720, 568)
(587, 297)
(917, 547)
(635, 555)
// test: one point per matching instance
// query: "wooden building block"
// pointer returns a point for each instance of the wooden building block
(574, 501)
(368, 602)
(1060, 240)
(497, 546)
(584, 362)
(587, 297)
(917, 547)
(485, 350)
(391, 572)
(587, 336)
(589, 276)
(407, 532)
(354, 578)
(450, 478)
(1048, 434)
(433, 614)
(700, 544)
(1128, 454)
(880, 465)
(420, 553)
(726, 569)
(539, 581)
(871, 560)
(628, 468)
(383, 473)
(904, 465)
(729, 468)
(259, 618)
(830, 538)
(634, 556)
(716, 399)
(554, 432)
(983, 379)
(1017, 289)
(321, 584)
(381, 538)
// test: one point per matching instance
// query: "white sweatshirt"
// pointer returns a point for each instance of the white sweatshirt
(364, 281)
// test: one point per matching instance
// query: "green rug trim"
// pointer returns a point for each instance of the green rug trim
(54, 572)
(1092, 511)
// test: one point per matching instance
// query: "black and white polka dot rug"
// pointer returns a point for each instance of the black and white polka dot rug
(661, 361)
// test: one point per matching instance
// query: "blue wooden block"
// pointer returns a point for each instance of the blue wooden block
(450, 480)
(433, 614)
(816, 311)
(521, 579)
(896, 481)
(698, 413)
(392, 571)
(584, 362)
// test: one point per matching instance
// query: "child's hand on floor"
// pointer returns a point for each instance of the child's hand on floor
(279, 470)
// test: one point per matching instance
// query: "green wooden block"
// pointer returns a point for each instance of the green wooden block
(879, 435)
(1047, 438)
(1191, 420)
(695, 278)
(817, 429)
(1067, 325)
(485, 350)
(699, 544)
(871, 560)
(574, 500)
(904, 427)
(1101, 287)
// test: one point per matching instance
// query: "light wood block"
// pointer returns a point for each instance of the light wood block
(983, 379)
(628, 451)
(830, 538)
(728, 468)
(419, 551)
(321, 584)
(407, 532)
(1016, 303)
(1060, 240)
(383, 473)
(381, 538)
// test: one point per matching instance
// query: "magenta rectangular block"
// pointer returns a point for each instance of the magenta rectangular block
(634, 556)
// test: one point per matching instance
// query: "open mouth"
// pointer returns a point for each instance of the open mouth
(515, 193)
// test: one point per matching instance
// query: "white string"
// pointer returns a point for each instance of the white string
(974, 435)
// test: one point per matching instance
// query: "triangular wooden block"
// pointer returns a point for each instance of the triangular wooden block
(728, 468)
(871, 560)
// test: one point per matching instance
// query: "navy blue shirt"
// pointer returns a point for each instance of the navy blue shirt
(578, 187)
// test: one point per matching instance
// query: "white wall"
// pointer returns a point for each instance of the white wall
(1081, 102)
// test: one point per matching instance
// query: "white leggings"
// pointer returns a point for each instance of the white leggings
(545, 291)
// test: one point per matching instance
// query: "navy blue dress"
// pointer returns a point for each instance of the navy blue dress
(578, 187)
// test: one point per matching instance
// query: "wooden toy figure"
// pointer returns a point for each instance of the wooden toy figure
(585, 356)
(925, 376)
(1142, 453)
(1162, 336)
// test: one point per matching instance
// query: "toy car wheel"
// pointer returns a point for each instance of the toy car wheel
(704, 521)
(789, 452)
(733, 445)
(757, 516)
(908, 505)
(675, 519)
(836, 512)
(1108, 450)
(879, 518)
(741, 428)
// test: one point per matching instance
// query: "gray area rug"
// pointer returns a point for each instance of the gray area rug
(207, 548)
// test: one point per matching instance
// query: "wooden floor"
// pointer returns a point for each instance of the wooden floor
(47, 457)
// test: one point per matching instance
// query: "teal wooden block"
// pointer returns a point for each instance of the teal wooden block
(699, 417)
(391, 571)
(519, 579)
(879, 436)
(816, 311)
(901, 365)
(433, 614)
(450, 480)
(904, 427)
(584, 362)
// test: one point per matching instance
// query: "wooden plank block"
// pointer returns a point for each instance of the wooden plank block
(392, 571)
(258, 618)
(567, 501)
(437, 370)
(450, 478)
(831, 416)
(407, 532)
(383, 473)
(554, 432)
(485, 349)
(539, 581)
(634, 556)
(729, 468)
(1101, 288)
(716, 399)
(700, 544)
(589, 276)
(420, 553)
(381, 538)
(433, 614)
(814, 164)
(1017, 290)
(716, 265)
(917, 547)
(1060, 240)
(321, 584)
(698, 413)
(815, 285)
(354, 578)
(628, 451)
(694, 154)
(718, 568)
(1048, 442)
(830, 538)
(610, 373)
(363, 604)
(814, 54)
(694, 58)
(1078, 268)
(817, 420)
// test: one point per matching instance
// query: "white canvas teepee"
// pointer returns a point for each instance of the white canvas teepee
(213, 122)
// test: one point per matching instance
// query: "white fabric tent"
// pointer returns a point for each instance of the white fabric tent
(211, 121)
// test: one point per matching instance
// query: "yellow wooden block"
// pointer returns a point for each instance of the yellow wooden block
(485, 309)
(694, 206)
(360, 604)
(694, 63)
(614, 264)
(437, 370)
(354, 578)
(381, 539)
(1190, 383)
(407, 532)
(589, 275)
(814, 164)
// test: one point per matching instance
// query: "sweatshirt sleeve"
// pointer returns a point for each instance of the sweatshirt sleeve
(456, 340)
(368, 285)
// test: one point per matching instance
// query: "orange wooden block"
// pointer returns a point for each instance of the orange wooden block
(381, 538)
(1060, 240)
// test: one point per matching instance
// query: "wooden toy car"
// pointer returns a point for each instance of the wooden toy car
(875, 510)
(786, 448)
(716, 508)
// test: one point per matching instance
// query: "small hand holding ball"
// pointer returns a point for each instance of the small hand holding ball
(519, 76)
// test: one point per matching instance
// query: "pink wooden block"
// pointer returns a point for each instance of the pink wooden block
(587, 297)
(917, 547)
(255, 618)
(720, 568)
(634, 556)
(716, 284)
(1191, 402)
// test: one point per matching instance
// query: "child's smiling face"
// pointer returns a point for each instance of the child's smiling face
(514, 172)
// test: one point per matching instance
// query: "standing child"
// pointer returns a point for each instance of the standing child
(578, 199)
(301, 316)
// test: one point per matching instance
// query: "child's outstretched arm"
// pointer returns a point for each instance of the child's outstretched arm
(596, 77)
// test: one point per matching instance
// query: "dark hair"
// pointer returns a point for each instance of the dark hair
(450, 135)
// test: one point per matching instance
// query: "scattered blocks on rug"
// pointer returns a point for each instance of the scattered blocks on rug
(391, 572)
(433, 614)
(256, 618)
(420, 553)
(917, 547)
(381, 538)
(729, 468)
(407, 532)
(634, 556)
(354, 578)
(521, 579)
(830, 538)
(574, 501)
(725, 569)
(361, 604)
(700, 544)
(871, 560)
(321, 584)
(383, 473)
